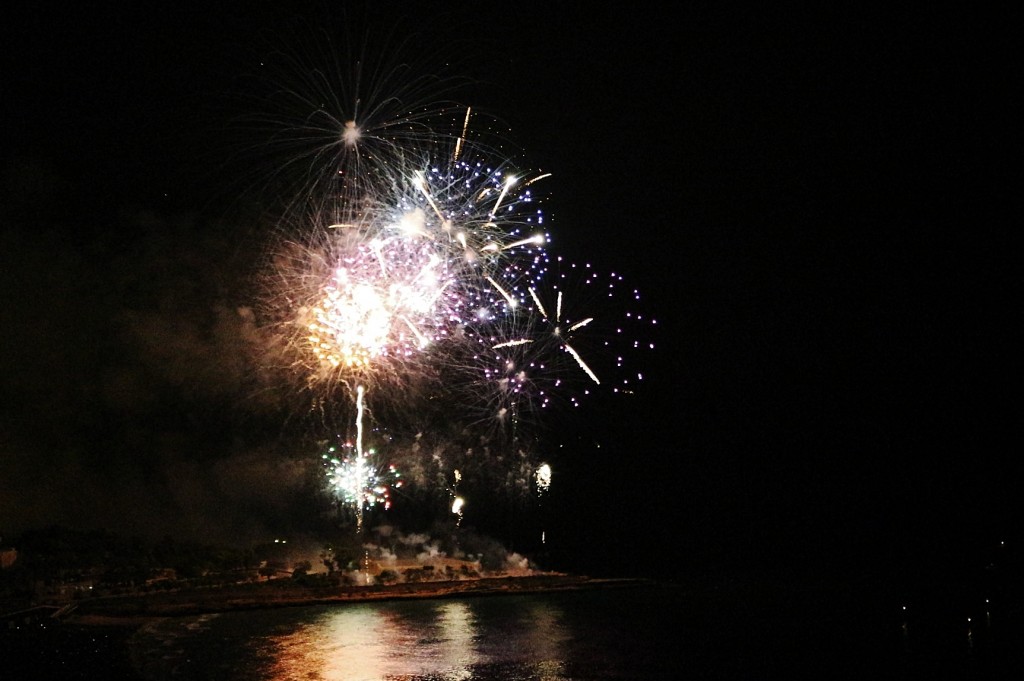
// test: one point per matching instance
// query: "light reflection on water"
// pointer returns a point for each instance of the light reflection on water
(657, 633)
(441, 639)
(450, 640)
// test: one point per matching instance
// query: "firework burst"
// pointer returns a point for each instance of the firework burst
(569, 332)
(381, 301)
(356, 474)
(331, 116)
(412, 268)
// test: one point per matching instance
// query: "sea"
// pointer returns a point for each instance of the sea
(726, 629)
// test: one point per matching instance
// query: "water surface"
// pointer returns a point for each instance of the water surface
(641, 632)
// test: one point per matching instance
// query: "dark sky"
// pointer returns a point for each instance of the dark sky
(816, 206)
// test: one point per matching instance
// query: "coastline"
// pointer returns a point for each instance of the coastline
(137, 610)
(90, 639)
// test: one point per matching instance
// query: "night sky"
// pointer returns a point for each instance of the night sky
(816, 207)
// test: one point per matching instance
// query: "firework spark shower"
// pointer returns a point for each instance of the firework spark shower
(412, 279)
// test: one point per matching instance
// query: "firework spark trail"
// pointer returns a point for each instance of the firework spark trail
(462, 137)
(360, 471)
(458, 503)
(543, 476)
(356, 478)
(558, 332)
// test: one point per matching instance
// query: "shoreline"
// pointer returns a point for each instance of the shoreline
(137, 610)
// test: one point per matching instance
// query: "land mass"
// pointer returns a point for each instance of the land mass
(288, 593)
